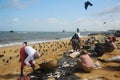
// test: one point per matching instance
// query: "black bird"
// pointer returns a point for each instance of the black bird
(104, 22)
(10, 57)
(88, 4)
(3, 60)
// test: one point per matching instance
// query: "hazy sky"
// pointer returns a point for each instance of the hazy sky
(56, 15)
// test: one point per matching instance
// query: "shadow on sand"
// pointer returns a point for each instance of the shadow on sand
(112, 68)
(9, 76)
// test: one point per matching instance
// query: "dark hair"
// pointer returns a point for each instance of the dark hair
(83, 52)
(25, 43)
(78, 30)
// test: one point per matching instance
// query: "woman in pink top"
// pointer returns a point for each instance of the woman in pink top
(86, 62)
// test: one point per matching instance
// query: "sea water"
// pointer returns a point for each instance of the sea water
(18, 37)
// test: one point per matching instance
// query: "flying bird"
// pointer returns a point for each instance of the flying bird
(104, 22)
(88, 4)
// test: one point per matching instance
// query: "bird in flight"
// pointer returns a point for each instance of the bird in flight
(88, 4)
(104, 22)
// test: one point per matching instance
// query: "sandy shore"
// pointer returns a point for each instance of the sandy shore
(52, 51)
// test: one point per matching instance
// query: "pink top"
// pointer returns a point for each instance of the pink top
(86, 60)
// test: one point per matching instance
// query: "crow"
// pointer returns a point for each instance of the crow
(3, 60)
(104, 22)
(88, 4)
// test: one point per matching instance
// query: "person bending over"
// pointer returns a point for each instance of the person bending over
(27, 57)
(85, 62)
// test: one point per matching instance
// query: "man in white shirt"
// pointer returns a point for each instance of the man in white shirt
(31, 54)
(78, 33)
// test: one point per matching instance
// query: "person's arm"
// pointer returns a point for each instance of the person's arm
(33, 61)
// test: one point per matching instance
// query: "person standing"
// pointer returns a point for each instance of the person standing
(78, 32)
(75, 42)
(27, 57)
(23, 55)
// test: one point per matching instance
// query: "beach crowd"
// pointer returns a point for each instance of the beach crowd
(82, 50)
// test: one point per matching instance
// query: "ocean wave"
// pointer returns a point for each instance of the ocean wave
(17, 38)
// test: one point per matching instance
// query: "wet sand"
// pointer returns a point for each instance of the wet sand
(51, 52)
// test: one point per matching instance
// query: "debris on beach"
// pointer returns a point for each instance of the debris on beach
(66, 67)
(115, 59)
(64, 71)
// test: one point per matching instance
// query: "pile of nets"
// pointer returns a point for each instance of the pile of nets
(66, 67)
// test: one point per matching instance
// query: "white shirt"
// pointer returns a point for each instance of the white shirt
(30, 52)
(78, 34)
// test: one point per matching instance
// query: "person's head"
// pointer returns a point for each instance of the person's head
(25, 43)
(83, 52)
(78, 30)
(36, 55)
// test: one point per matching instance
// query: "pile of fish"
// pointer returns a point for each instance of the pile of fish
(66, 66)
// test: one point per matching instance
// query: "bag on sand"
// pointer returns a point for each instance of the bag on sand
(115, 59)
(74, 54)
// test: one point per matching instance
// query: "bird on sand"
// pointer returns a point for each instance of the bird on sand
(88, 4)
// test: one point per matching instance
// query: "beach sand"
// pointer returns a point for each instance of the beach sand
(51, 52)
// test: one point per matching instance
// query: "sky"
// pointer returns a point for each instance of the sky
(58, 15)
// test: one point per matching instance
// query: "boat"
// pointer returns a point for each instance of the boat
(11, 31)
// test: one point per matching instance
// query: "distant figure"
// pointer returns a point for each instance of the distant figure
(75, 42)
(27, 57)
(63, 30)
(78, 32)
(85, 61)
(23, 55)
(89, 43)
(99, 49)
(88, 4)
(104, 22)
(11, 31)
(109, 43)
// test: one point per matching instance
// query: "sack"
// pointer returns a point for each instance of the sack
(74, 54)
(115, 59)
